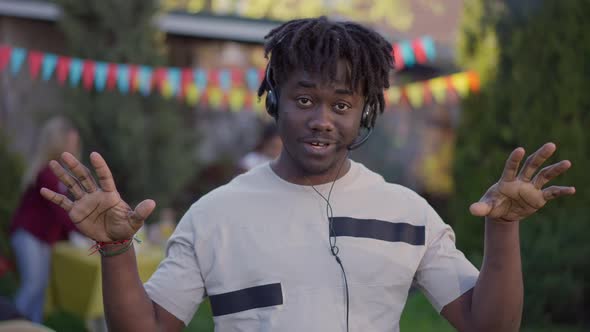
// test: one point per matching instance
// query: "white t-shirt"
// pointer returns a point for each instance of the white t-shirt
(259, 248)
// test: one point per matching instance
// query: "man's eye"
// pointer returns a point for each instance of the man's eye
(341, 107)
(304, 101)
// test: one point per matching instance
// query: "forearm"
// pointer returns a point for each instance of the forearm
(498, 295)
(126, 304)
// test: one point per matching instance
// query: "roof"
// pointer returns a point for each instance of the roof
(176, 23)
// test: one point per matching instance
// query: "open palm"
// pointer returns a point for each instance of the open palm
(97, 211)
(518, 194)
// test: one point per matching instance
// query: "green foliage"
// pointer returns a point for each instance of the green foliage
(537, 93)
(147, 141)
(65, 322)
(11, 168)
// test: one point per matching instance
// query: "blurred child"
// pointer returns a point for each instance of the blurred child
(268, 148)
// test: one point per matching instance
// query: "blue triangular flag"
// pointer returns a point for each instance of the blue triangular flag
(252, 78)
(145, 80)
(48, 66)
(174, 79)
(225, 79)
(201, 79)
(16, 59)
(100, 75)
(429, 48)
(75, 71)
(123, 78)
(407, 53)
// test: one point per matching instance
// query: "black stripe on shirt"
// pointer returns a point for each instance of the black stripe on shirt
(379, 230)
(246, 299)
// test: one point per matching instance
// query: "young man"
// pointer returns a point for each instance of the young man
(313, 241)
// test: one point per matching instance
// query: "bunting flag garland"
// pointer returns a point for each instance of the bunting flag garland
(230, 89)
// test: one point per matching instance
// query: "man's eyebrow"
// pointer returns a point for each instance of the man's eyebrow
(312, 85)
(343, 92)
(306, 84)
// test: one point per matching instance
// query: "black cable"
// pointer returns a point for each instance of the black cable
(332, 238)
(330, 214)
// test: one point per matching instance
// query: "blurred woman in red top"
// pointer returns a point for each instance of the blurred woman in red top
(37, 224)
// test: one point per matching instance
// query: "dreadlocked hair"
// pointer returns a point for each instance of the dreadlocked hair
(315, 45)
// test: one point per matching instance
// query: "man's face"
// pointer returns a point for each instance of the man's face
(317, 121)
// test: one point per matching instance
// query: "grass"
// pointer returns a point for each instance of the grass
(418, 316)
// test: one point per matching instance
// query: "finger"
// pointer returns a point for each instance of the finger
(142, 211)
(56, 198)
(105, 177)
(512, 163)
(534, 161)
(80, 172)
(557, 191)
(480, 209)
(550, 172)
(67, 179)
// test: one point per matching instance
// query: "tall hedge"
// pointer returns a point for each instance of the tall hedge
(534, 57)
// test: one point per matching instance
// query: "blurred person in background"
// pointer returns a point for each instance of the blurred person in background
(37, 224)
(268, 148)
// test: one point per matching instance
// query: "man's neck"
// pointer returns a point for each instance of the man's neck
(296, 175)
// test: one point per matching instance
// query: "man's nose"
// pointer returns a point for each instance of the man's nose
(321, 118)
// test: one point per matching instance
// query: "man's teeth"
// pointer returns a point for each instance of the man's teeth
(319, 144)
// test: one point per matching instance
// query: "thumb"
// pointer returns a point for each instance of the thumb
(480, 209)
(142, 211)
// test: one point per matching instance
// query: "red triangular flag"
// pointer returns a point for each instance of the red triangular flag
(237, 77)
(4, 56)
(213, 79)
(158, 78)
(419, 51)
(63, 67)
(261, 75)
(88, 74)
(35, 60)
(398, 57)
(111, 76)
(185, 80)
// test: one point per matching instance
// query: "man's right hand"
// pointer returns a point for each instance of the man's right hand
(97, 211)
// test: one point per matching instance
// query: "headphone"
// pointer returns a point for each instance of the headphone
(272, 108)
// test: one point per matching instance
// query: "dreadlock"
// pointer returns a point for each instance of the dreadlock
(314, 44)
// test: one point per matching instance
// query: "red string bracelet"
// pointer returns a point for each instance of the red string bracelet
(99, 245)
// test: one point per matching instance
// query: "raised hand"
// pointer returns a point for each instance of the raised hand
(518, 195)
(97, 211)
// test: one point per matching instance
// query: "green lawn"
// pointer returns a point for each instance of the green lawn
(418, 316)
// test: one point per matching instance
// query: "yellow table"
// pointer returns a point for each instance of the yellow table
(75, 284)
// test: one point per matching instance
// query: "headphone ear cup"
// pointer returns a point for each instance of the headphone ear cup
(366, 117)
(271, 104)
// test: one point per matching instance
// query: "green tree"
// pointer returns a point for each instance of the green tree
(533, 56)
(11, 168)
(147, 141)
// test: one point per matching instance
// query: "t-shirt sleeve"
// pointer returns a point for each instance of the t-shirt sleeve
(177, 284)
(444, 273)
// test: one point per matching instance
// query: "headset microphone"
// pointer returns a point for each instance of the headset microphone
(359, 141)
